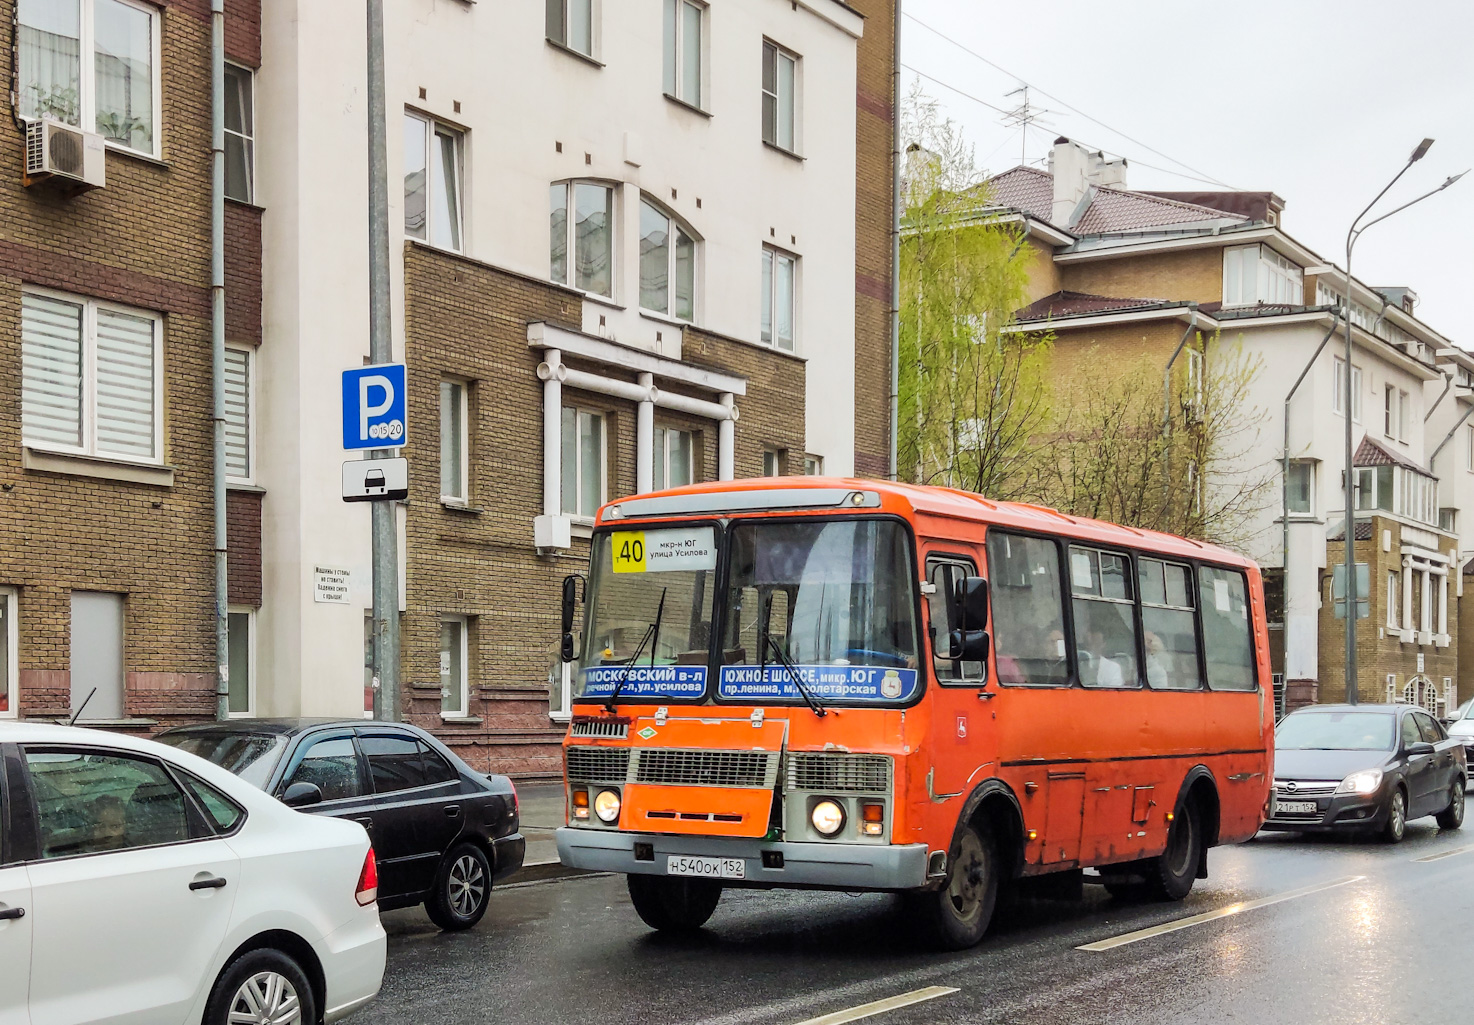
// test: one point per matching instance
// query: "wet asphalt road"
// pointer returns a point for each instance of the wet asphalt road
(1394, 946)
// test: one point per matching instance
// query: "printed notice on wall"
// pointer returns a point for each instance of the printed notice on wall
(332, 585)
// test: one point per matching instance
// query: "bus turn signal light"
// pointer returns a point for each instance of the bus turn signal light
(872, 816)
(580, 804)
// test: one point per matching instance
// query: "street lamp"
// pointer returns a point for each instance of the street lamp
(1352, 591)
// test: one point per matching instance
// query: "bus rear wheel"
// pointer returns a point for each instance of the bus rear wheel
(956, 915)
(1170, 875)
(674, 904)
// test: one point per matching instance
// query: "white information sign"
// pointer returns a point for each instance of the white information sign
(669, 551)
(332, 585)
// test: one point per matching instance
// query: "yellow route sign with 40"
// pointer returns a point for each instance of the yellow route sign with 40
(627, 547)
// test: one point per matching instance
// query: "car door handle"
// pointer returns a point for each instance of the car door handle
(7, 914)
(208, 883)
(452, 811)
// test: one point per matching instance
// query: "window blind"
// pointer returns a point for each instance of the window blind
(51, 372)
(238, 413)
(125, 385)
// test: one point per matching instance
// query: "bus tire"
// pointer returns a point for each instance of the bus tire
(1170, 875)
(956, 915)
(673, 904)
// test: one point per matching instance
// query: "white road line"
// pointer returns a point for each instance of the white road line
(916, 996)
(1447, 854)
(1232, 909)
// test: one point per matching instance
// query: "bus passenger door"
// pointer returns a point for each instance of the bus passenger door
(964, 734)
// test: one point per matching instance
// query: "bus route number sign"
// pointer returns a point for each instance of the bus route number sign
(663, 551)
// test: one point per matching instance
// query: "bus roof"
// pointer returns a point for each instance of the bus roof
(757, 496)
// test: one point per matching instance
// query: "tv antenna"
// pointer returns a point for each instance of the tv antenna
(1023, 117)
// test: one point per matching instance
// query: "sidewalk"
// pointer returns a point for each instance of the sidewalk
(543, 808)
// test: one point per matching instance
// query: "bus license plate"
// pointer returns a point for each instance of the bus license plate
(714, 868)
(1294, 807)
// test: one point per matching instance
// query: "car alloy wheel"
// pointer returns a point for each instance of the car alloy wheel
(266, 998)
(1396, 817)
(466, 886)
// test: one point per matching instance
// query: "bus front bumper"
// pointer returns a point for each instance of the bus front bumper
(840, 866)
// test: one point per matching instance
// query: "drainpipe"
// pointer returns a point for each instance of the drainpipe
(895, 310)
(1192, 324)
(1449, 436)
(1448, 383)
(217, 349)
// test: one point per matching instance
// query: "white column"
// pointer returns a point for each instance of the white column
(552, 436)
(1425, 621)
(1407, 595)
(727, 440)
(1443, 603)
(645, 438)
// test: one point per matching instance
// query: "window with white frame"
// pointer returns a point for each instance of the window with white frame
(780, 286)
(780, 85)
(241, 649)
(581, 220)
(1258, 274)
(773, 460)
(1448, 519)
(1338, 391)
(1394, 600)
(674, 461)
(240, 418)
(453, 441)
(93, 64)
(684, 24)
(570, 24)
(1194, 371)
(432, 181)
(1300, 487)
(1398, 490)
(584, 473)
(1404, 411)
(8, 655)
(1389, 411)
(453, 676)
(1469, 448)
(667, 264)
(240, 133)
(90, 378)
(813, 465)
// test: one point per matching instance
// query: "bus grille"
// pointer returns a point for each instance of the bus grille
(675, 767)
(590, 764)
(839, 773)
(608, 729)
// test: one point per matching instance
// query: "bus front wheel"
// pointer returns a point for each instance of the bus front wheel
(1170, 875)
(956, 915)
(674, 904)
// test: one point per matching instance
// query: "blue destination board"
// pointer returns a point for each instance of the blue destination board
(645, 681)
(827, 683)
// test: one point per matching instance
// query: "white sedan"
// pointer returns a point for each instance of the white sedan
(140, 885)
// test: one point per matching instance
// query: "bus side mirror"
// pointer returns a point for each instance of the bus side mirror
(570, 600)
(969, 645)
(968, 640)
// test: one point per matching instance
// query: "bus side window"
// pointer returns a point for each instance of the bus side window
(1105, 617)
(1169, 627)
(1227, 639)
(1028, 610)
(947, 575)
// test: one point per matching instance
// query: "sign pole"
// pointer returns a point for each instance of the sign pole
(385, 517)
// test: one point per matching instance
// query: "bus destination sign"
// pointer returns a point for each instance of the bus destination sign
(645, 681)
(827, 683)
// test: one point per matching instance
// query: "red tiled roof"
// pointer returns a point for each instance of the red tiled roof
(1023, 188)
(1064, 303)
(1373, 453)
(1111, 209)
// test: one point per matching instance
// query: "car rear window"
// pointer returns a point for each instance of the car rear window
(251, 756)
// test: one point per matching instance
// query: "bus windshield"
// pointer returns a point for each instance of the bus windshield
(832, 602)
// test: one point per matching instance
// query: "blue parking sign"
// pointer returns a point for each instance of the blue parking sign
(374, 407)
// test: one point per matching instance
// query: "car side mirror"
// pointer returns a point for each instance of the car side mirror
(570, 601)
(300, 795)
(1421, 747)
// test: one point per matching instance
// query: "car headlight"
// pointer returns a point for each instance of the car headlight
(1365, 782)
(827, 817)
(606, 806)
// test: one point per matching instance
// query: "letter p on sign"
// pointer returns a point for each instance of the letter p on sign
(374, 407)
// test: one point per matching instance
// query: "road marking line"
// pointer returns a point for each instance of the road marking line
(1447, 854)
(1232, 909)
(916, 996)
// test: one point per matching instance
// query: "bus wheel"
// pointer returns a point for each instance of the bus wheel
(674, 904)
(1170, 875)
(956, 915)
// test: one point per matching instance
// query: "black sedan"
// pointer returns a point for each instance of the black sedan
(442, 832)
(1365, 768)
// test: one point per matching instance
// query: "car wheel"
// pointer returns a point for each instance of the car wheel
(673, 904)
(265, 986)
(956, 915)
(1452, 817)
(1170, 875)
(462, 887)
(1396, 824)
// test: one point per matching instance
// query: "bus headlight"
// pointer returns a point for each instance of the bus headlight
(606, 806)
(827, 817)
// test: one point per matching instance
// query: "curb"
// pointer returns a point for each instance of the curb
(544, 872)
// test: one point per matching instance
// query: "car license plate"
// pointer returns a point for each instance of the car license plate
(1294, 807)
(714, 868)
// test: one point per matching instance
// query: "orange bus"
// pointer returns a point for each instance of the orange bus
(857, 685)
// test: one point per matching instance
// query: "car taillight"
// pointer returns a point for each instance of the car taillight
(516, 805)
(368, 881)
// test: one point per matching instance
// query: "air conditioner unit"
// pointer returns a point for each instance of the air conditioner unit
(67, 156)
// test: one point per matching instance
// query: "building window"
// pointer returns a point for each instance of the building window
(8, 655)
(90, 380)
(773, 460)
(1448, 520)
(1301, 487)
(115, 90)
(453, 667)
(1398, 490)
(683, 46)
(432, 182)
(674, 458)
(780, 274)
(571, 25)
(1258, 274)
(241, 648)
(97, 654)
(453, 442)
(1404, 408)
(240, 420)
(667, 264)
(1194, 396)
(1394, 600)
(240, 133)
(780, 81)
(1338, 396)
(813, 465)
(1469, 448)
(588, 235)
(583, 462)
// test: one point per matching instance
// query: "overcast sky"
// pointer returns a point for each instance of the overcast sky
(1321, 102)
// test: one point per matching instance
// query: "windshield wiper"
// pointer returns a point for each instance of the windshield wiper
(652, 631)
(798, 682)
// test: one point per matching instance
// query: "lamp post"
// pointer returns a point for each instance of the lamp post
(1353, 592)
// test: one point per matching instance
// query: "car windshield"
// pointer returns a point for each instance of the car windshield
(1336, 731)
(251, 756)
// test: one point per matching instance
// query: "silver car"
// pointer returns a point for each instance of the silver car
(1462, 729)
